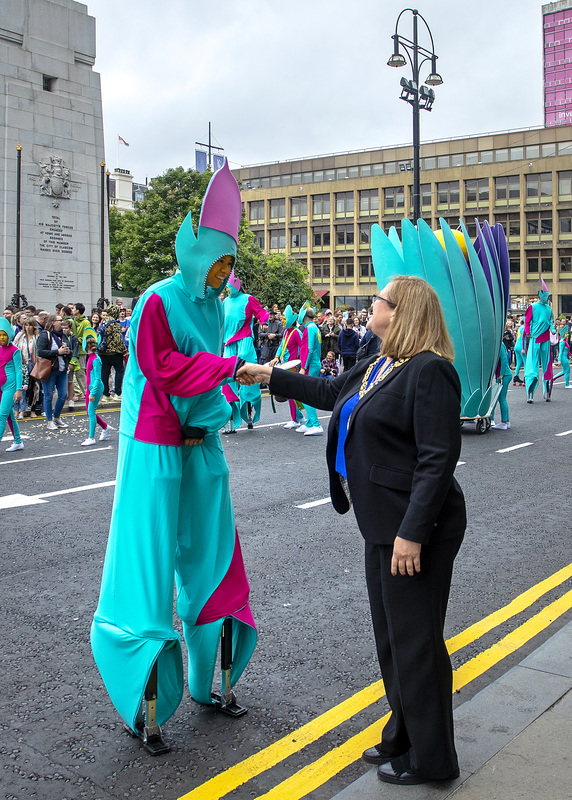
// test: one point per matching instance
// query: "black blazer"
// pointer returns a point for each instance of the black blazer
(402, 447)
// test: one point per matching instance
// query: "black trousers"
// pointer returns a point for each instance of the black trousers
(408, 615)
(109, 360)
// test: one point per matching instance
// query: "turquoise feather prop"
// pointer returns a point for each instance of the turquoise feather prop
(471, 291)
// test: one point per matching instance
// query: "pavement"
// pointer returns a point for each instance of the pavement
(514, 738)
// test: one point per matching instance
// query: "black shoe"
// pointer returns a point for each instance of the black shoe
(399, 772)
(376, 755)
(250, 426)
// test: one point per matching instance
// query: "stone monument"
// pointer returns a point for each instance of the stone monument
(51, 213)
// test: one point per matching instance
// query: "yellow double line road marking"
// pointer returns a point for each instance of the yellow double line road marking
(320, 771)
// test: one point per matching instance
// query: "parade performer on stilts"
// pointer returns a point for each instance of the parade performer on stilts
(240, 309)
(518, 356)
(289, 350)
(310, 355)
(94, 388)
(173, 519)
(564, 353)
(539, 322)
(10, 383)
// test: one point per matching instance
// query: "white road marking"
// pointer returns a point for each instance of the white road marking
(515, 447)
(86, 451)
(315, 503)
(10, 438)
(565, 433)
(18, 500)
(272, 425)
(460, 463)
(77, 489)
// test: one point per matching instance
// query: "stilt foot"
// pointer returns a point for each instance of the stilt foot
(228, 705)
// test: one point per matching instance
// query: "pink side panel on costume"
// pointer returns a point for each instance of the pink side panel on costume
(231, 595)
(229, 394)
(293, 409)
(548, 374)
(543, 337)
(252, 309)
(6, 355)
(168, 370)
(158, 422)
(9, 420)
(527, 320)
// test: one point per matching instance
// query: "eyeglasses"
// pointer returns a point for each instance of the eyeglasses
(377, 297)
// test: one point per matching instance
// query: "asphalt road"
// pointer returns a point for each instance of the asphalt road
(61, 737)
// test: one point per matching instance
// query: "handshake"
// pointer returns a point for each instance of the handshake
(249, 374)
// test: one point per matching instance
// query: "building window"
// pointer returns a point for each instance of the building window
(344, 204)
(321, 206)
(538, 223)
(477, 191)
(344, 235)
(539, 187)
(425, 190)
(514, 261)
(510, 224)
(394, 198)
(565, 183)
(387, 225)
(259, 239)
(48, 83)
(429, 163)
(448, 194)
(507, 188)
(278, 239)
(501, 155)
(299, 208)
(539, 258)
(321, 236)
(364, 235)
(277, 209)
(368, 202)
(256, 211)
(345, 268)
(565, 256)
(366, 272)
(321, 268)
(298, 238)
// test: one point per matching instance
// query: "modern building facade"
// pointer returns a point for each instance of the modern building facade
(557, 47)
(52, 168)
(123, 191)
(320, 210)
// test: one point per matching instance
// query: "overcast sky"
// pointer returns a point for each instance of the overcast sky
(287, 80)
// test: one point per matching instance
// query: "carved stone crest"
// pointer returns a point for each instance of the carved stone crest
(55, 179)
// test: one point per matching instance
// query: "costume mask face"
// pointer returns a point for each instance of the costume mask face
(3, 338)
(219, 272)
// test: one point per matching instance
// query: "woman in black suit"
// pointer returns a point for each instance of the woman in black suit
(393, 445)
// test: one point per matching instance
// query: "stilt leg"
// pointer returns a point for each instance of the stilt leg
(226, 700)
(150, 734)
(250, 416)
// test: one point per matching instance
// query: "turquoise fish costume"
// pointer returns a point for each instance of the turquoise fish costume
(538, 323)
(94, 384)
(289, 350)
(240, 309)
(10, 381)
(173, 519)
(504, 377)
(518, 355)
(310, 355)
(564, 358)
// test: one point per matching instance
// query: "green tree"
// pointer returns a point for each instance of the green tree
(142, 244)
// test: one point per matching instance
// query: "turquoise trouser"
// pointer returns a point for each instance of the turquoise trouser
(502, 402)
(92, 414)
(172, 520)
(537, 355)
(312, 420)
(7, 415)
(519, 363)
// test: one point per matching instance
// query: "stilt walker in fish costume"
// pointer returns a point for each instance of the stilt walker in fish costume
(94, 388)
(310, 353)
(173, 517)
(564, 354)
(10, 383)
(289, 350)
(539, 322)
(240, 309)
(518, 356)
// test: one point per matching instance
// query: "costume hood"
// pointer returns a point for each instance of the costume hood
(217, 235)
(303, 312)
(544, 293)
(89, 333)
(7, 328)
(290, 316)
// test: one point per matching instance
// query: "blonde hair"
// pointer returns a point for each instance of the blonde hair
(418, 324)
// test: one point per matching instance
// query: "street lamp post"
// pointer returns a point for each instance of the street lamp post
(419, 97)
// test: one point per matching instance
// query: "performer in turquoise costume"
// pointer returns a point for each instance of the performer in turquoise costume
(289, 350)
(173, 518)
(519, 356)
(10, 383)
(564, 353)
(504, 377)
(95, 387)
(310, 355)
(539, 322)
(240, 309)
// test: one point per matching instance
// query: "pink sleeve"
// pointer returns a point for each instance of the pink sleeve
(253, 306)
(527, 319)
(165, 367)
(304, 349)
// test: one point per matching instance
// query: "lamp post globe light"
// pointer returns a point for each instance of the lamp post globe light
(419, 97)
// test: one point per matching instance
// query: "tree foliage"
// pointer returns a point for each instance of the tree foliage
(142, 244)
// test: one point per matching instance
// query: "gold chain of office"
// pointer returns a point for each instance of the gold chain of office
(383, 373)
